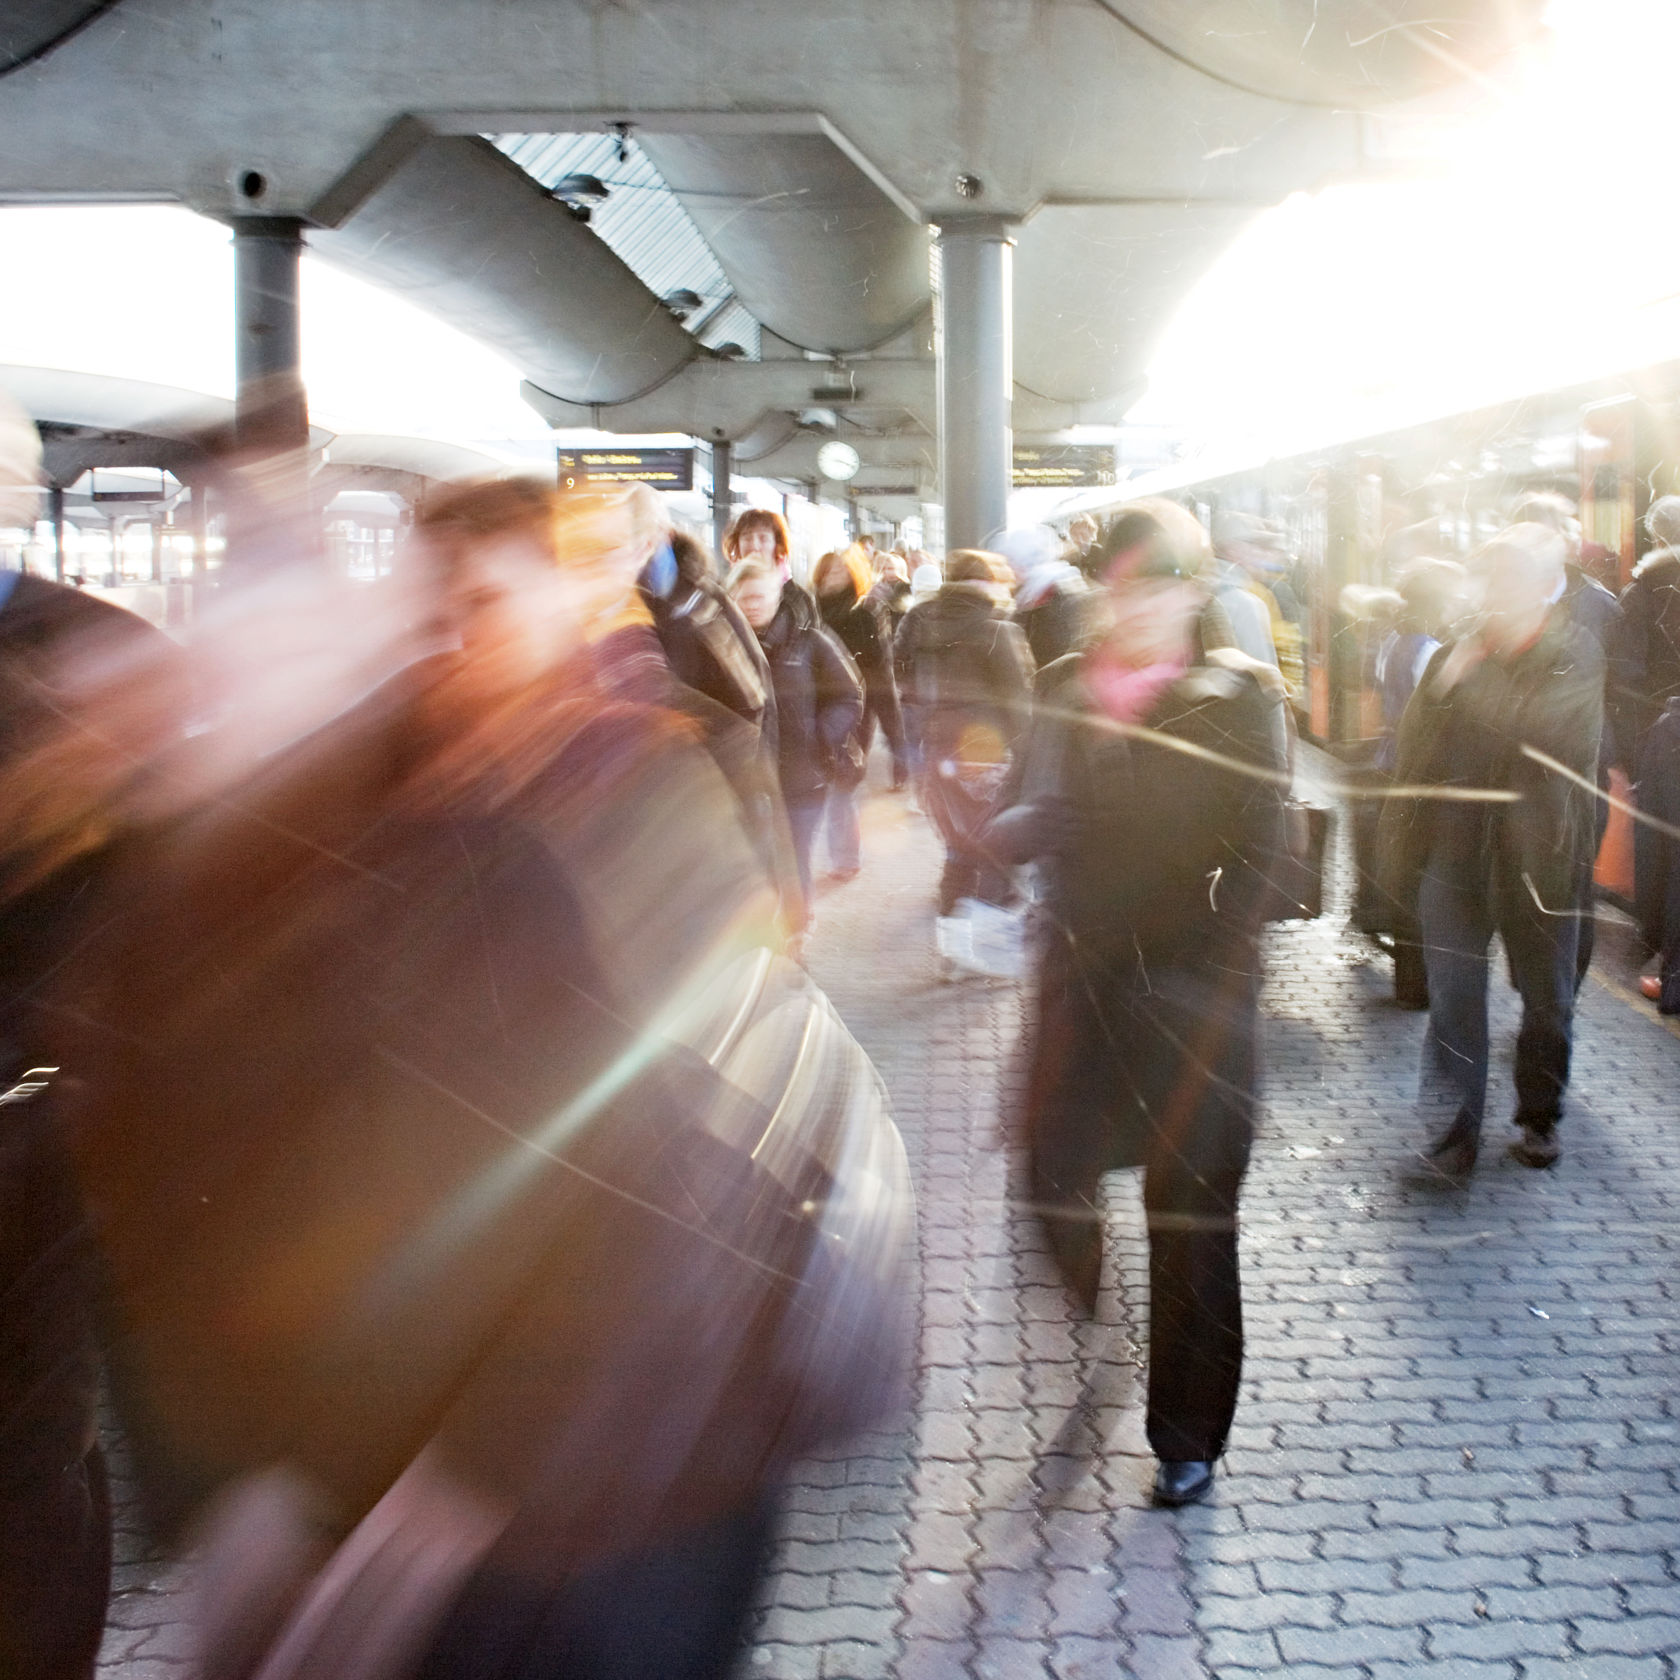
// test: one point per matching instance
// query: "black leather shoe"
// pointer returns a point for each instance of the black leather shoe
(1182, 1481)
(1536, 1147)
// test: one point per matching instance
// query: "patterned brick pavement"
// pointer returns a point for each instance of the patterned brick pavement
(1460, 1424)
(1458, 1440)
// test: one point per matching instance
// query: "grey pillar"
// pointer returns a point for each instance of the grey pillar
(976, 376)
(198, 524)
(55, 512)
(270, 410)
(271, 413)
(723, 497)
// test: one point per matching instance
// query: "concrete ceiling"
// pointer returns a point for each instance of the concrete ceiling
(812, 145)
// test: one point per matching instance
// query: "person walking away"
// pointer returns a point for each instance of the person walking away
(965, 674)
(891, 590)
(1238, 542)
(1499, 737)
(1150, 789)
(842, 582)
(1052, 600)
(819, 698)
(1433, 595)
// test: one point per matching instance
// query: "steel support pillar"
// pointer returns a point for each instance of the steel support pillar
(976, 376)
(271, 411)
(55, 512)
(723, 497)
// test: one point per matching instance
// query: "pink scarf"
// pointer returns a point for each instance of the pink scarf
(1128, 695)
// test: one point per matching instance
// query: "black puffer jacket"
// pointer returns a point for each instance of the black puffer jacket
(962, 663)
(1057, 621)
(711, 648)
(861, 626)
(1481, 735)
(1154, 854)
(819, 694)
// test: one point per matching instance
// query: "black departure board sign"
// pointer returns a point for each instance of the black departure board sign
(1063, 466)
(591, 469)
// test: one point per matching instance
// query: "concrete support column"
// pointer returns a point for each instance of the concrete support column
(976, 375)
(198, 524)
(723, 497)
(271, 411)
(55, 512)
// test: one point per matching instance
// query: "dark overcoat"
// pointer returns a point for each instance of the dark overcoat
(386, 1143)
(1157, 845)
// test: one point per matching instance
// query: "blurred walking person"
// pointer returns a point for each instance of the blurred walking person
(1594, 611)
(1149, 788)
(707, 643)
(1052, 601)
(966, 680)
(819, 699)
(1645, 684)
(842, 582)
(90, 694)
(1498, 738)
(1433, 595)
(439, 1231)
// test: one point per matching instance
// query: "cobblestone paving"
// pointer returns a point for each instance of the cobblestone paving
(1460, 1427)
(1460, 1424)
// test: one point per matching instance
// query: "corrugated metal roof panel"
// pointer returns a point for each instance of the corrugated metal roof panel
(644, 223)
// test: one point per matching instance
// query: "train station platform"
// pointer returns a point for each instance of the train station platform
(1459, 1437)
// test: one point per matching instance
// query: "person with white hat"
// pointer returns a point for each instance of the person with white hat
(1052, 602)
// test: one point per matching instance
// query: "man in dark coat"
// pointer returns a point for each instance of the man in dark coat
(1594, 611)
(966, 678)
(1151, 790)
(1506, 725)
(61, 653)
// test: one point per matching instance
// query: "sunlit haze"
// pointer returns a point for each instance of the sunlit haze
(146, 292)
(1535, 252)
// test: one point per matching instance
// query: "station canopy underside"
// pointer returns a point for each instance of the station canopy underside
(716, 217)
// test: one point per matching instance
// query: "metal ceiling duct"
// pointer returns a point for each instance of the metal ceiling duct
(1095, 285)
(813, 247)
(458, 229)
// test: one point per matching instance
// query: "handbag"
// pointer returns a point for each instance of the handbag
(1298, 875)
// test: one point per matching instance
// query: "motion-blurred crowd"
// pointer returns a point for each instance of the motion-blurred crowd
(419, 1124)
